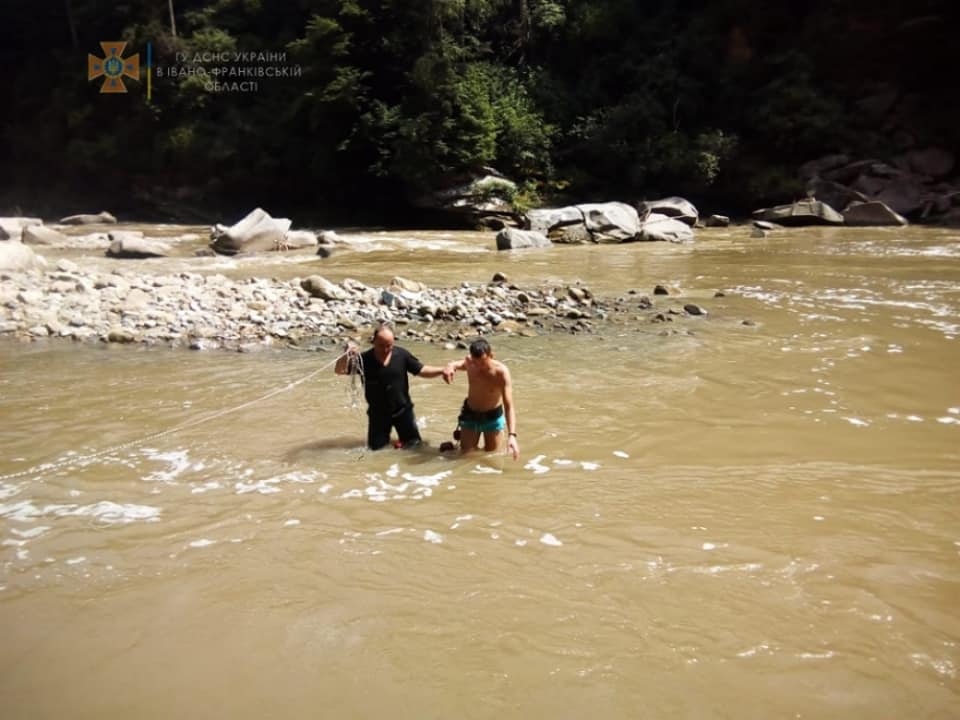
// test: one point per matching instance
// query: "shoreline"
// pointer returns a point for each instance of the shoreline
(214, 312)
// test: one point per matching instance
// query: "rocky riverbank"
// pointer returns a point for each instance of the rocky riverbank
(212, 311)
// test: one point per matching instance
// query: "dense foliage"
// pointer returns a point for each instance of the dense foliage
(373, 103)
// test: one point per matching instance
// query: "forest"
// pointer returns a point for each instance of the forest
(353, 111)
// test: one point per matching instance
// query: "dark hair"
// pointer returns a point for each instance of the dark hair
(479, 348)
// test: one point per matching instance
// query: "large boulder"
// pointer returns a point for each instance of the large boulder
(611, 222)
(675, 207)
(873, 213)
(834, 194)
(802, 212)
(668, 229)
(544, 220)
(42, 235)
(102, 218)
(11, 228)
(133, 245)
(319, 287)
(905, 194)
(513, 239)
(257, 232)
(15, 255)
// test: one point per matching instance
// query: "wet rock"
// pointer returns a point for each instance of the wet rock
(102, 218)
(513, 239)
(717, 221)
(42, 235)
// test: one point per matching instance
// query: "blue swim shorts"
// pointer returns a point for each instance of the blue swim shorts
(482, 422)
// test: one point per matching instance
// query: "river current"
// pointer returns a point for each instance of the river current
(750, 514)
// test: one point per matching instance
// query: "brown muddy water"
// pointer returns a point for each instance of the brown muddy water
(723, 520)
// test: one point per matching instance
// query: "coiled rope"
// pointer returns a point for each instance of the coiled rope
(80, 459)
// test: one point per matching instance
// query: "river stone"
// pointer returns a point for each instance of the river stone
(611, 222)
(319, 287)
(99, 218)
(657, 227)
(514, 239)
(802, 212)
(11, 228)
(410, 286)
(14, 255)
(873, 213)
(674, 207)
(42, 235)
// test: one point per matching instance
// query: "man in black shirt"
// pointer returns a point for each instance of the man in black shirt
(384, 370)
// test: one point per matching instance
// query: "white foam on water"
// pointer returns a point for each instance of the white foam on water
(433, 537)
(620, 454)
(708, 546)
(204, 542)
(519, 542)
(857, 421)
(291, 523)
(177, 460)
(590, 465)
(562, 461)
(816, 656)
(428, 480)
(393, 471)
(104, 511)
(954, 410)
(486, 470)
(76, 560)
(914, 418)
(7, 491)
(948, 420)
(551, 540)
(212, 485)
(536, 465)
(31, 533)
(266, 486)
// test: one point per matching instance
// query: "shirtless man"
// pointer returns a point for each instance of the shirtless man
(488, 409)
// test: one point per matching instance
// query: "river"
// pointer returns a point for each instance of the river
(751, 514)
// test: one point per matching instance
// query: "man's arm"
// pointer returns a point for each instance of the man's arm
(432, 371)
(513, 446)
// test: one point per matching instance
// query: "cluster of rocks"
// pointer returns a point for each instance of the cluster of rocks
(212, 311)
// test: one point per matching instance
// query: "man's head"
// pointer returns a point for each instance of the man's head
(480, 348)
(382, 341)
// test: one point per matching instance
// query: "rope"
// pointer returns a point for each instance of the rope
(357, 378)
(47, 467)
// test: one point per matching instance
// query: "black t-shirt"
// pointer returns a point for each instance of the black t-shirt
(385, 386)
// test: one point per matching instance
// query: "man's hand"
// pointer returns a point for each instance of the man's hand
(512, 447)
(448, 373)
(352, 348)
